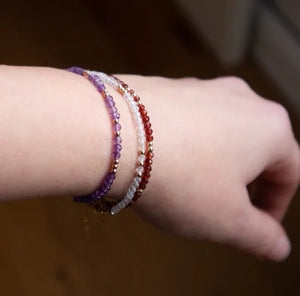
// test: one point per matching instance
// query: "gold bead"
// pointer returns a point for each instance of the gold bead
(114, 171)
(150, 143)
(150, 149)
(116, 120)
(142, 152)
(118, 133)
(115, 166)
(117, 161)
(140, 191)
(85, 74)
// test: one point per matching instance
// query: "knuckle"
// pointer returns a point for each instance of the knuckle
(235, 82)
(280, 119)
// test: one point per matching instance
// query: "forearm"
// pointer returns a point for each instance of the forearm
(55, 135)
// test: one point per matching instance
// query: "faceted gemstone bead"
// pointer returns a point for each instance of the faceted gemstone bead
(112, 110)
(146, 118)
(143, 113)
(149, 132)
(136, 98)
(117, 148)
(115, 115)
(148, 168)
(147, 125)
(111, 176)
(149, 138)
(100, 87)
(145, 180)
(117, 127)
(110, 103)
(115, 155)
(117, 140)
(142, 186)
(146, 175)
(76, 70)
(148, 161)
(150, 155)
(140, 169)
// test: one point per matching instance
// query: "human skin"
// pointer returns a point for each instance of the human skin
(211, 139)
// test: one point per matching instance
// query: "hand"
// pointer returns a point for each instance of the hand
(211, 140)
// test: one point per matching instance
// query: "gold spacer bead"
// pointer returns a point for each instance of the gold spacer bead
(117, 161)
(140, 191)
(114, 171)
(115, 166)
(139, 175)
(139, 102)
(150, 149)
(150, 143)
(116, 120)
(142, 152)
(118, 133)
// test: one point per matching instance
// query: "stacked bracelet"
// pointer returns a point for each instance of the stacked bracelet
(97, 199)
(115, 156)
(145, 141)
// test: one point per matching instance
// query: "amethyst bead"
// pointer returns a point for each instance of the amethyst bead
(117, 140)
(76, 70)
(109, 103)
(117, 127)
(115, 115)
(112, 110)
(117, 148)
(116, 155)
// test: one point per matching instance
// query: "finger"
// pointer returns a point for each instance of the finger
(276, 186)
(256, 232)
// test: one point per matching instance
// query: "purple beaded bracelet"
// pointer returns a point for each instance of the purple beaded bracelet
(106, 184)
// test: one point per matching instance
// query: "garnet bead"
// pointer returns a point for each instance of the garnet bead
(147, 175)
(145, 180)
(149, 132)
(142, 186)
(150, 155)
(148, 162)
(147, 125)
(143, 113)
(146, 118)
(149, 138)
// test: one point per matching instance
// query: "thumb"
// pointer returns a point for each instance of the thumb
(260, 234)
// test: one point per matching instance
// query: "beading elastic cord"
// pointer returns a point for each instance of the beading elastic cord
(145, 141)
(107, 182)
